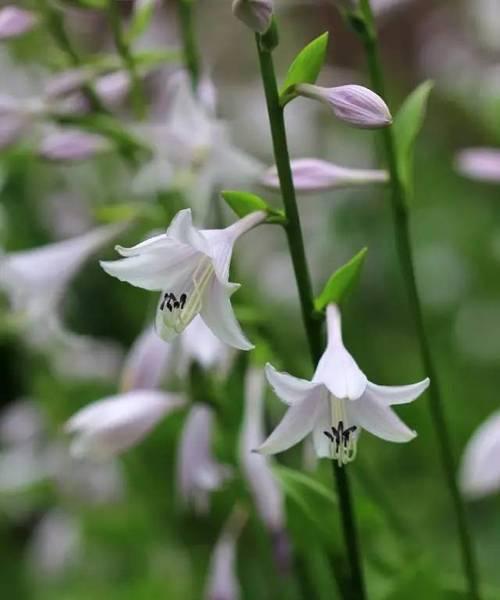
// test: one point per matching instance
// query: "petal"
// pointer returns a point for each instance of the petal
(396, 394)
(298, 421)
(378, 420)
(321, 442)
(156, 242)
(288, 388)
(480, 468)
(219, 316)
(181, 229)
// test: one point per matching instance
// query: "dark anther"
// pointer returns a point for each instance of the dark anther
(170, 301)
(176, 304)
(166, 297)
(182, 300)
(329, 435)
(347, 433)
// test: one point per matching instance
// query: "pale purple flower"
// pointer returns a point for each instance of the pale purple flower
(198, 472)
(480, 468)
(482, 164)
(21, 422)
(199, 344)
(256, 14)
(314, 175)
(112, 425)
(66, 82)
(113, 87)
(353, 104)
(15, 21)
(72, 145)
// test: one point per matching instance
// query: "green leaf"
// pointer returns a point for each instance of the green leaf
(244, 203)
(407, 125)
(341, 282)
(141, 19)
(306, 66)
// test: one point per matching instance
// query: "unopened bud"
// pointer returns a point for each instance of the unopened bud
(256, 14)
(72, 145)
(15, 21)
(314, 175)
(353, 104)
(482, 164)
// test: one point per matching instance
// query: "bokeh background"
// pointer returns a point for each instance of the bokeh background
(72, 530)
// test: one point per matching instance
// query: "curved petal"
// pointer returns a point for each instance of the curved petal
(298, 421)
(219, 316)
(182, 230)
(379, 420)
(480, 468)
(397, 394)
(288, 388)
(157, 242)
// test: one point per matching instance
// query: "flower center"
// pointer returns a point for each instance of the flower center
(343, 438)
(178, 312)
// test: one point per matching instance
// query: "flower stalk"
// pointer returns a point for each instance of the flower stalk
(312, 324)
(190, 48)
(364, 26)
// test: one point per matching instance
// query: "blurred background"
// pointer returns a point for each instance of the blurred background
(76, 529)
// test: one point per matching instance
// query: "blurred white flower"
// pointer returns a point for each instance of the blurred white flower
(71, 145)
(314, 175)
(198, 472)
(480, 468)
(191, 268)
(337, 403)
(482, 164)
(110, 426)
(256, 14)
(21, 421)
(200, 345)
(192, 152)
(222, 579)
(15, 21)
(22, 466)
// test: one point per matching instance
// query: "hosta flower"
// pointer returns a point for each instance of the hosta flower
(256, 14)
(482, 164)
(353, 104)
(337, 404)
(72, 145)
(198, 472)
(191, 269)
(15, 21)
(110, 426)
(480, 469)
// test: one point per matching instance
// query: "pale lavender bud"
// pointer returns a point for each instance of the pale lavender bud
(15, 21)
(72, 145)
(482, 164)
(113, 88)
(353, 104)
(256, 14)
(66, 82)
(314, 175)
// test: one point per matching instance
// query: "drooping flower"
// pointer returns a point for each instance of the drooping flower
(480, 468)
(110, 426)
(482, 164)
(265, 490)
(200, 345)
(72, 145)
(314, 175)
(15, 21)
(191, 269)
(353, 104)
(198, 472)
(337, 403)
(256, 14)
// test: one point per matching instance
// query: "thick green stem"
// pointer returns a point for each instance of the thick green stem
(311, 323)
(399, 202)
(188, 36)
(123, 49)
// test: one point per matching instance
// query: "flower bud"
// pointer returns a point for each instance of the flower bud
(482, 164)
(72, 145)
(256, 14)
(314, 175)
(15, 21)
(353, 104)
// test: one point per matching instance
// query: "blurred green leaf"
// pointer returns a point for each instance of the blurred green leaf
(407, 125)
(306, 66)
(341, 282)
(143, 12)
(244, 203)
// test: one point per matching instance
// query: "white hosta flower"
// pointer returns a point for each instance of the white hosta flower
(115, 424)
(256, 14)
(198, 473)
(482, 164)
(337, 403)
(199, 344)
(480, 468)
(191, 268)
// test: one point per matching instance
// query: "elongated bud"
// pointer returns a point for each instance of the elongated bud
(482, 164)
(354, 104)
(314, 175)
(15, 21)
(256, 14)
(72, 146)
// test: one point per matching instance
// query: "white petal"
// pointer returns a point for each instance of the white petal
(337, 369)
(288, 388)
(320, 440)
(298, 421)
(379, 420)
(397, 394)
(480, 468)
(219, 316)
(181, 229)
(157, 242)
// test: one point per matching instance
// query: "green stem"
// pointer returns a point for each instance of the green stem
(123, 49)
(399, 202)
(190, 49)
(311, 323)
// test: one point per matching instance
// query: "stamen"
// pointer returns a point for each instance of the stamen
(342, 439)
